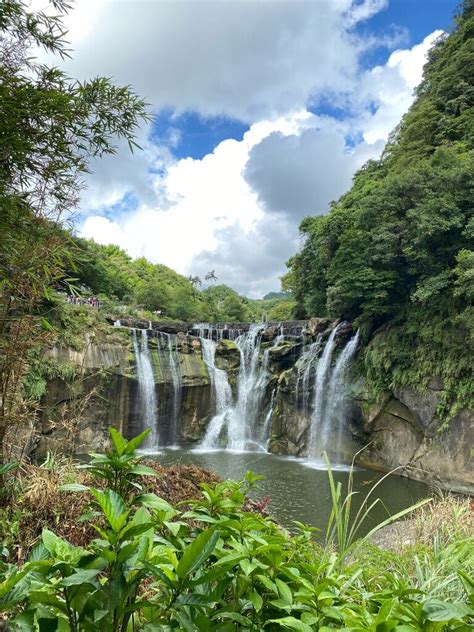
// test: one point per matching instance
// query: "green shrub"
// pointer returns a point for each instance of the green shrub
(217, 567)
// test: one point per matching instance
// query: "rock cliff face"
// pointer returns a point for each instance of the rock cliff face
(103, 391)
(401, 430)
(96, 392)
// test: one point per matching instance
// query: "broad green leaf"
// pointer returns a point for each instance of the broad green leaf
(256, 600)
(113, 506)
(156, 503)
(47, 599)
(74, 487)
(133, 444)
(143, 470)
(235, 616)
(437, 610)
(268, 583)
(197, 553)
(84, 576)
(194, 599)
(284, 591)
(38, 553)
(118, 440)
(290, 623)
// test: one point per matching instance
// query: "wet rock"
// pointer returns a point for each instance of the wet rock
(227, 355)
(436, 384)
(318, 325)
(188, 344)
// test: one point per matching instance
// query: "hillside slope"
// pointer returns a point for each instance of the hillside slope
(394, 254)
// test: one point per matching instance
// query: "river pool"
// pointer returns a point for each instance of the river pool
(299, 490)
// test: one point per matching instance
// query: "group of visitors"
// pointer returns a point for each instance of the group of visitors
(92, 301)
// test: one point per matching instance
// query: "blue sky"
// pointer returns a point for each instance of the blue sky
(418, 17)
(263, 110)
(410, 20)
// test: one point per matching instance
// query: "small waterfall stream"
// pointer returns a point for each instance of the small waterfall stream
(249, 392)
(242, 418)
(329, 408)
(221, 392)
(265, 438)
(146, 388)
(305, 372)
(167, 349)
(337, 396)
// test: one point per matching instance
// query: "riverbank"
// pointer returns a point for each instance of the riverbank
(203, 532)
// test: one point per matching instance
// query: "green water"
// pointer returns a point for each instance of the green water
(299, 492)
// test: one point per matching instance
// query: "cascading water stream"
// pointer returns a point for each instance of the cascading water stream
(265, 439)
(337, 406)
(320, 396)
(146, 388)
(243, 416)
(244, 423)
(242, 419)
(305, 371)
(330, 402)
(222, 395)
(176, 381)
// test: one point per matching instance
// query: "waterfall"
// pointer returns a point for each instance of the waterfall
(242, 420)
(337, 396)
(146, 387)
(330, 398)
(176, 379)
(320, 396)
(305, 370)
(263, 375)
(117, 323)
(222, 395)
(265, 439)
(241, 428)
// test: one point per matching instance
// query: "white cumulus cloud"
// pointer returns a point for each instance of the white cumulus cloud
(237, 209)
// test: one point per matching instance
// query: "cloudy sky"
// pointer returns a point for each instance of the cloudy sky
(263, 110)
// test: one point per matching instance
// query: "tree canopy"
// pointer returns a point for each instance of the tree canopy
(51, 126)
(395, 250)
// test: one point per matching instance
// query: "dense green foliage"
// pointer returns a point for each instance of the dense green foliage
(137, 284)
(394, 253)
(216, 566)
(111, 274)
(51, 126)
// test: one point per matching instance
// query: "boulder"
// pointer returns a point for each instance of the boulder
(227, 355)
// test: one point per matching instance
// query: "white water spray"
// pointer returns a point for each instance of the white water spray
(222, 395)
(330, 400)
(170, 345)
(146, 388)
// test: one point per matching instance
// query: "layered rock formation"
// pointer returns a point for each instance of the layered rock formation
(401, 430)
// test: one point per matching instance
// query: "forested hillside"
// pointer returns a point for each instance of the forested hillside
(395, 252)
(137, 285)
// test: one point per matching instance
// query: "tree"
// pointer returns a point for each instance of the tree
(50, 128)
(155, 295)
(234, 309)
(194, 280)
(211, 276)
(395, 252)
